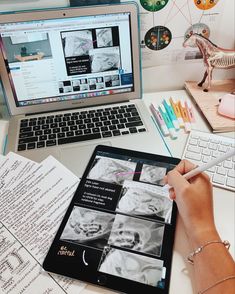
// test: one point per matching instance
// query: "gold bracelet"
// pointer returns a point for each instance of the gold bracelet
(199, 249)
(218, 282)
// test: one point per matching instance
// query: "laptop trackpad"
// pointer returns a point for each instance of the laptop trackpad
(75, 158)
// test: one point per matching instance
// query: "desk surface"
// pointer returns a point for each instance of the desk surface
(224, 207)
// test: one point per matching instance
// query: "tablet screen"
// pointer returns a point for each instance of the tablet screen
(118, 231)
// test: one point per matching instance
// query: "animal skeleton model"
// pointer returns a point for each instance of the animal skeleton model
(213, 56)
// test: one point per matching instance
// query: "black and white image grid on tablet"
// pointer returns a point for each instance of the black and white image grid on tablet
(112, 170)
(131, 266)
(137, 235)
(88, 227)
(145, 200)
(153, 174)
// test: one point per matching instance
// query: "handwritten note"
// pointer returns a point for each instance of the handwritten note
(34, 198)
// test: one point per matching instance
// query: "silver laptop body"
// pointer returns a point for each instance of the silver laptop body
(71, 61)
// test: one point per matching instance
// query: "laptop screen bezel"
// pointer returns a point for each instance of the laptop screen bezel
(68, 13)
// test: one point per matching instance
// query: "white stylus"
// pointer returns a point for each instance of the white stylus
(203, 167)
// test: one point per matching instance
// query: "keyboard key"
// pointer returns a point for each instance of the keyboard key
(38, 133)
(121, 126)
(133, 130)
(202, 144)
(82, 127)
(134, 124)
(223, 148)
(193, 142)
(47, 132)
(107, 134)
(104, 129)
(36, 128)
(52, 136)
(23, 124)
(206, 152)
(70, 134)
(32, 123)
(228, 164)
(231, 173)
(213, 146)
(79, 138)
(193, 148)
(78, 132)
(218, 179)
(231, 182)
(26, 135)
(212, 169)
(125, 133)
(193, 156)
(87, 131)
(113, 127)
(60, 135)
(31, 146)
(21, 147)
(42, 138)
(28, 140)
(206, 159)
(221, 171)
(95, 130)
(51, 143)
(116, 133)
(41, 144)
(64, 129)
(25, 130)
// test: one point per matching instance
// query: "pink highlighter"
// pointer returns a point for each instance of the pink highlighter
(157, 115)
(189, 108)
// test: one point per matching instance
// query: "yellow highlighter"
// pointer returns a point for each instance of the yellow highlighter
(177, 112)
(184, 113)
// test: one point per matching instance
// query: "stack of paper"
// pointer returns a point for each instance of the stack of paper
(34, 198)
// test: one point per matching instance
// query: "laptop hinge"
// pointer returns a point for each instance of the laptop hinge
(70, 109)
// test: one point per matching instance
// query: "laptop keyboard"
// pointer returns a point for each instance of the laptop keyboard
(70, 127)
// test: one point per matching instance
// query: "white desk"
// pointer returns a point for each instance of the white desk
(224, 207)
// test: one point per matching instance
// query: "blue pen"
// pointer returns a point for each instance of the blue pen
(168, 122)
(171, 114)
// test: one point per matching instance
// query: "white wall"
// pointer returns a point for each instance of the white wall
(165, 77)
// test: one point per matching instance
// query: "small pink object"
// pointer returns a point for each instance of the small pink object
(227, 106)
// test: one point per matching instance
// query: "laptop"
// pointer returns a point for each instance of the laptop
(72, 81)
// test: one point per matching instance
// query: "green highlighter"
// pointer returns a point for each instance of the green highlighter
(168, 122)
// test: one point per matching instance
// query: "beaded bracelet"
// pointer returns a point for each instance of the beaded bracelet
(199, 249)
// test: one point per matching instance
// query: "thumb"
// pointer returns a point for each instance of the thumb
(177, 181)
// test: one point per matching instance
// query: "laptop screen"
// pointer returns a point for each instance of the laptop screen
(68, 58)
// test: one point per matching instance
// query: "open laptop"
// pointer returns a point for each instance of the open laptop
(72, 81)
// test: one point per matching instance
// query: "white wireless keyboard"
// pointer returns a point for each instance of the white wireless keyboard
(202, 147)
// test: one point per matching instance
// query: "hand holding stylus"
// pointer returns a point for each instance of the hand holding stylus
(204, 167)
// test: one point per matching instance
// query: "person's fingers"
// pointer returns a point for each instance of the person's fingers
(172, 194)
(185, 166)
(176, 180)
